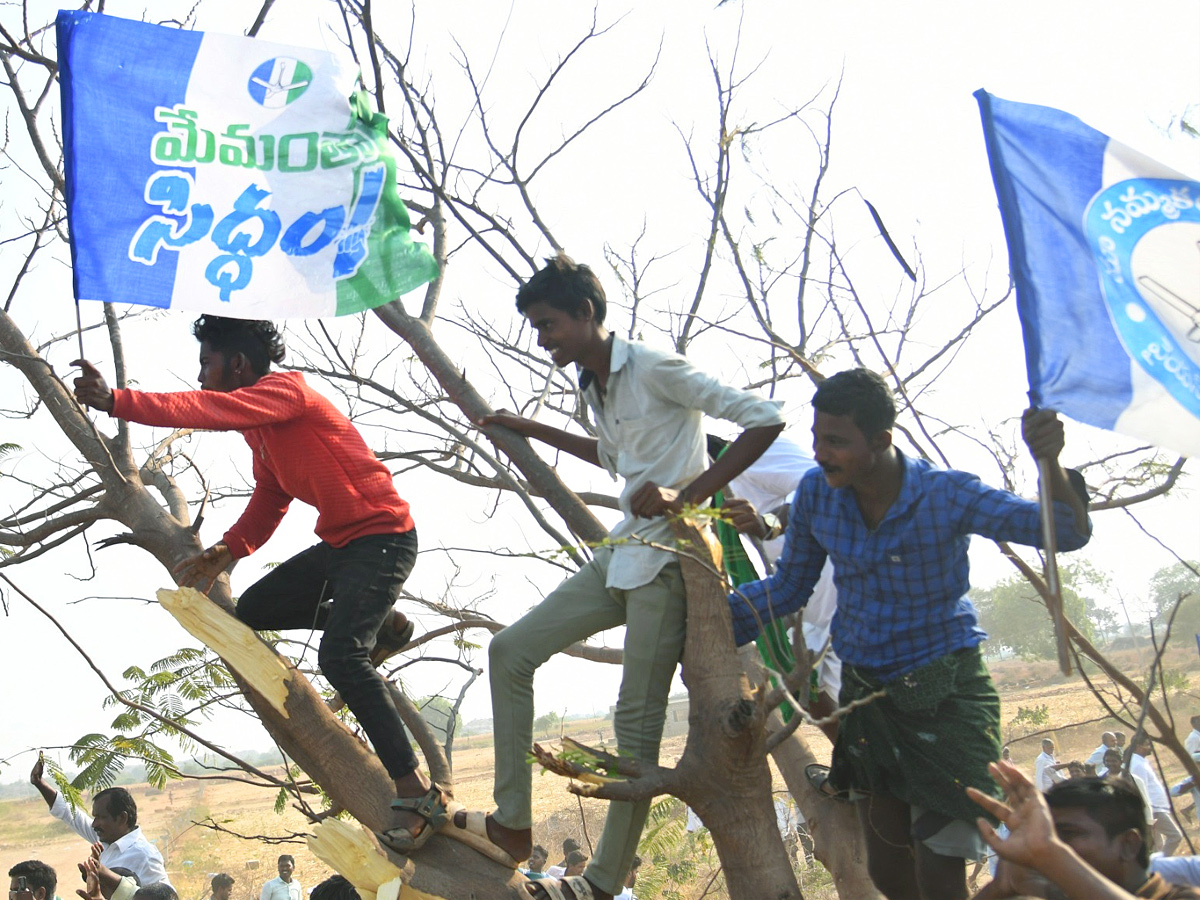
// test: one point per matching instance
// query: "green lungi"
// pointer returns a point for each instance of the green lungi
(929, 739)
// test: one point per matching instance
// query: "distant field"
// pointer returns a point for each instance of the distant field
(195, 853)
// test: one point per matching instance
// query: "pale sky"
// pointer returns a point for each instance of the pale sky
(907, 136)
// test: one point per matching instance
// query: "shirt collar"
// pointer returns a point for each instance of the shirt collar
(616, 359)
(912, 488)
(125, 841)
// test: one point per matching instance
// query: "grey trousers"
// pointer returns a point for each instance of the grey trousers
(654, 615)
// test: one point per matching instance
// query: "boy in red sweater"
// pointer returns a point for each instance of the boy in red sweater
(304, 448)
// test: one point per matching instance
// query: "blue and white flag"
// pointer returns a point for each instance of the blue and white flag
(226, 175)
(1104, 246)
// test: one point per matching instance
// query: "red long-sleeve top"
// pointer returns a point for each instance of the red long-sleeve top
(304, 448)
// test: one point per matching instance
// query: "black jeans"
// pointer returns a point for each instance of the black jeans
(363, 579)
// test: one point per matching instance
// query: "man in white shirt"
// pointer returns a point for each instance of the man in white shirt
(1108, 740)
(1046, 768)
(1164, 823)
(647, 406)
(285, 887)
(1114, 765)
(113, 823)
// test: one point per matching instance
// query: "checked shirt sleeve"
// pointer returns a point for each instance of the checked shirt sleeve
(796, 574)
(1003, 516)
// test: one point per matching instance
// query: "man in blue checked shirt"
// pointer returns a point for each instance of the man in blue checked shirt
(897, 530)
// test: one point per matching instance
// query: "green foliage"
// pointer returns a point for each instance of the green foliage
(179, 688)
(1167, 586)
(673, 859)
(8, 448)
(1175, 681)
(1034, 716)
(70, 793)
(1014, 615)
(102, 757)
(549, 724)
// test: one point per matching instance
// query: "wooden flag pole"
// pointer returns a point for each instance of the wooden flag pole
(79, 328)
(1050, 549)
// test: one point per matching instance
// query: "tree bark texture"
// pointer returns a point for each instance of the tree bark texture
(723, 774)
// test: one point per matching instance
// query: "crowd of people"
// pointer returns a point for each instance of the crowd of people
(34, 880)
(872, 542)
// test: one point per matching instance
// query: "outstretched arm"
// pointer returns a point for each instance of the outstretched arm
(582, 446)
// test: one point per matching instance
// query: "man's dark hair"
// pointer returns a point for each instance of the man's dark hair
(37, 875)
(286, 856)
(335, 887)
(564, 284)
(570, 844)
(222, 881)
(538, 848)
(575, 857)
(260, 341)
(1115, 803)
(119, 801)
(160, 890)
(860, 394)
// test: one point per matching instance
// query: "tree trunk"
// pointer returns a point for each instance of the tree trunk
(723, 774)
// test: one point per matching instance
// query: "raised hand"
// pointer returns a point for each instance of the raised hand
(91, 389)
(1043, 433)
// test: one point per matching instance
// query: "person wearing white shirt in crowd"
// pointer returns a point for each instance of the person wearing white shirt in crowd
(285, 887)
(1113, 765)
(1108, 740)
(113, 823)
(1164, 823)
(1046, 767)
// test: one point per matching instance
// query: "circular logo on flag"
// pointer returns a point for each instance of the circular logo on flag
(279, 81)
(1145, 233)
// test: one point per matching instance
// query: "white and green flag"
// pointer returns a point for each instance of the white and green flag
(226, 175)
